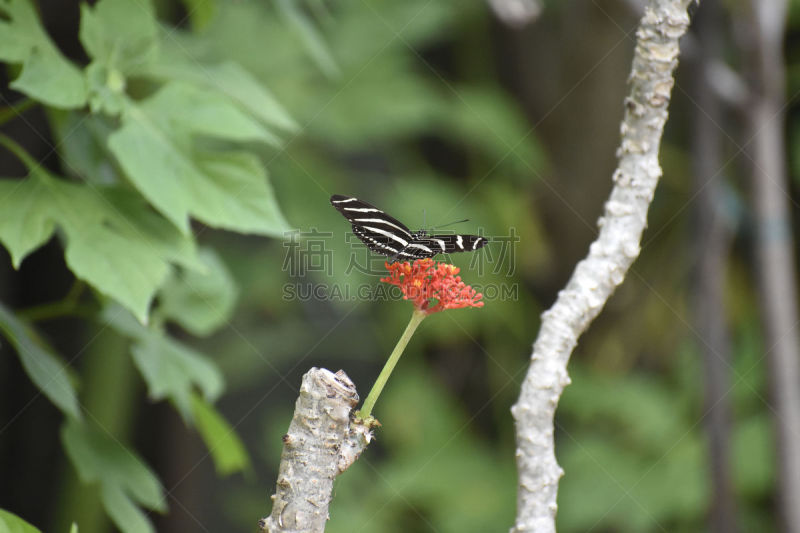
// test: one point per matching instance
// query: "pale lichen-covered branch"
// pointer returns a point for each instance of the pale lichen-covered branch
(610, 256)
(322, 442)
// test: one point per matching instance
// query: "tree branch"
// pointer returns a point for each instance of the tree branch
(775, 247)
(322, 442)
(712, 229)
(609, 258)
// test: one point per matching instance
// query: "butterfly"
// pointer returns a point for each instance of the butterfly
(388, 236)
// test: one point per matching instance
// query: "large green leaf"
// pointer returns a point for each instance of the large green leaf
(124, 478)
(46, 75)
(225, 190)
(223, 443)
(200, 301)
(170, 369)
(11, 523)
(238, 195)
(46, 370)
(113, 241)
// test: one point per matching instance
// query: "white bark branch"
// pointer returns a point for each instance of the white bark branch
(609, 258)
(322, 442)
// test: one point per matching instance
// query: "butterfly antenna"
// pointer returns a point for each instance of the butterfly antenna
(451, 223)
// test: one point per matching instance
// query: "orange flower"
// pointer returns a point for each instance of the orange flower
(432, 286)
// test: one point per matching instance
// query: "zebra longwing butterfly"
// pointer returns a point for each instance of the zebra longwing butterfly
(388, 236)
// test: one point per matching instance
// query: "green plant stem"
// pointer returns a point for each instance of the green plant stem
(15, 148)
(372, 397)
(69, 305)
(12, 112)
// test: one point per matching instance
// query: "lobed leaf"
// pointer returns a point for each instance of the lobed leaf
(46, 74)
(222, 189)
(125, 480)
(170, 369)
(113, 241)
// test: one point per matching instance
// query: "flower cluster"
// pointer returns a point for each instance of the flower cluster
(432, 286)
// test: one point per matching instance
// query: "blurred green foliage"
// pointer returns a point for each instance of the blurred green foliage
(190, 125)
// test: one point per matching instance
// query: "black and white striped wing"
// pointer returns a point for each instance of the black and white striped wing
(380, 232)
(388, 236)
(448, 244)
(428, 246)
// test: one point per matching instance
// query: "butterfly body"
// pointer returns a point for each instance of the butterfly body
(388, 236)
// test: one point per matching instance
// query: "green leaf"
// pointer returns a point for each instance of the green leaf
(46, 75)
(81, 142)
(119, 33)
(226, 78)
(124, 478)
(172, 370)
(135, 221)
(25, 221)
(46, 370)
(200, 302)
(113, 241)
(238, 195)
(11, 523)
(128, 270)
(124, 512)
(181, 107)
(223, 443)
(224, 190)
(101, 247)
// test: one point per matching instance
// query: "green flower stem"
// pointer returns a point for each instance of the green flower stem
(372, 397)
